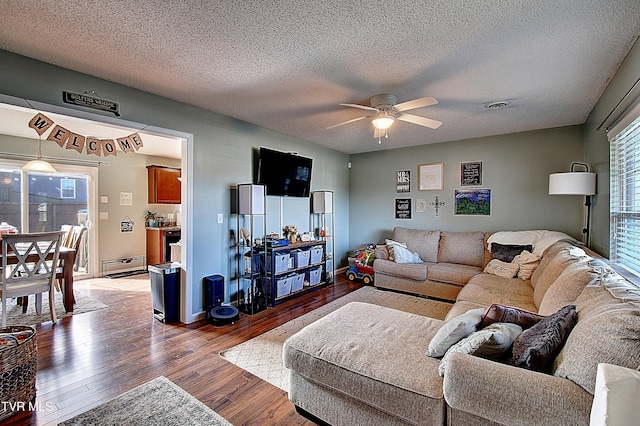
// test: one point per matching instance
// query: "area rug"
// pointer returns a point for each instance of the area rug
(262, 355)
(157, 402)
(83, 304)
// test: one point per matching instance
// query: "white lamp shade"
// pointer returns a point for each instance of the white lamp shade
(572, 183)
(39, 166)
(615, 402)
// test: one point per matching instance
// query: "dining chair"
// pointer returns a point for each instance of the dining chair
(28, 268)
(71, 238)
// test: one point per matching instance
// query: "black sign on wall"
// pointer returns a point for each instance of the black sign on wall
(403, 208)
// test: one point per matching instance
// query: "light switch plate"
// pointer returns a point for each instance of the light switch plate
(104, 215)
(220, 218)
(104, 199)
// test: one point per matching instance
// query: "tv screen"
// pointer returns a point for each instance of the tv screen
(284, 174)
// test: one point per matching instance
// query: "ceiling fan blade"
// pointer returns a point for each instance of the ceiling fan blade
(347, 122)
(420, 121)
(416, 103)
(368, 108)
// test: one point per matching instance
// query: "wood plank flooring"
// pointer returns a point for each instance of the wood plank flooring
(88, 359)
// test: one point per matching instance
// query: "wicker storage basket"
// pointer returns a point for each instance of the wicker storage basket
(18, 366)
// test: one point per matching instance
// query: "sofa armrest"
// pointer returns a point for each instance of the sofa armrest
(510, 395)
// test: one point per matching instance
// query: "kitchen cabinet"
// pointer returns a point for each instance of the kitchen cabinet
(164, 185)
(159, 242)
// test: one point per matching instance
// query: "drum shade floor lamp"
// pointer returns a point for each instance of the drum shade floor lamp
(576, 183)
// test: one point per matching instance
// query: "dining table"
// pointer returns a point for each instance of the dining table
(67, 259)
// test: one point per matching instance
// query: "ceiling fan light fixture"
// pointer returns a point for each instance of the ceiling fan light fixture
(39, 165)
(382, 121)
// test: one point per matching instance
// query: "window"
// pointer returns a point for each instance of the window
(67, 188)
(625, 197)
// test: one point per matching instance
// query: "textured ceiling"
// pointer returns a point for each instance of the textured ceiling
(286, 65)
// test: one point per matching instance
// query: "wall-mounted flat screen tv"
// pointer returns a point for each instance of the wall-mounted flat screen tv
(283, 173)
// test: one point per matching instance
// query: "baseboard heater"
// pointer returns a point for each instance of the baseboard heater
(126, 267)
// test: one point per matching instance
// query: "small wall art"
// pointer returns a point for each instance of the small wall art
(431, 177)
(471, 173)
(475, 202)
(403, 208)
(403, 181)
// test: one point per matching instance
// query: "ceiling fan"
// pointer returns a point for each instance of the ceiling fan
(387, 110)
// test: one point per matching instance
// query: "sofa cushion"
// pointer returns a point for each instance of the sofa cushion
(414, 271)
(452, 273)
(553, 269)
(608, 331)
(453, 331)
(547, 257)
(501, 313)
(425, 243)
(488, 289)
(567, 287)
(462, 306)
(465, 248)
(506, 252)
(528, 263)
(361, 350)
(404, 255)
(537, 347)
(491, 342)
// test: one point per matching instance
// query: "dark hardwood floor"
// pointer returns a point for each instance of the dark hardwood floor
(88, 359)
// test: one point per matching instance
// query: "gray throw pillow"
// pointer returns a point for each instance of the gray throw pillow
(537, 347)
(453, 331)
(492, 342)
(506, 252)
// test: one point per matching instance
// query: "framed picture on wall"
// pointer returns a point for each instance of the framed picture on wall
(431, 177)
(476, 202)
(471, 173)
(403, 208)
(403, 181)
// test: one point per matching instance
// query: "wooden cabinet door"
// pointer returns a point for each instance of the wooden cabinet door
(155, 249)
(164, 185)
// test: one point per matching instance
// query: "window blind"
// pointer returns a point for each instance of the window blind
(625, 197)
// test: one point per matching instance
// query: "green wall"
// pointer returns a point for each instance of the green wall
(597, 144)
(516, 168)
(220, 156)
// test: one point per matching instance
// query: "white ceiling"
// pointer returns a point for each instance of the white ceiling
(286, 65)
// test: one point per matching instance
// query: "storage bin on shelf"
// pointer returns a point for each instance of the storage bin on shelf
(297, 282)
(313, 276)
(283, 286)
(281, 263)
(300, 258)
(316, 255)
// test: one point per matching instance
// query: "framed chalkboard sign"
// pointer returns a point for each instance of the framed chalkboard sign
(471, 173)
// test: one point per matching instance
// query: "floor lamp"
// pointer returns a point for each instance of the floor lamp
(576, 183)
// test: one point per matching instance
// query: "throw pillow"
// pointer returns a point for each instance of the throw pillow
(506, 252)
(391, 245)
(500, 313)
(404, 255)
(453, 331)
(502, 269)
(537, 347)
(528, 262)
(491, 342)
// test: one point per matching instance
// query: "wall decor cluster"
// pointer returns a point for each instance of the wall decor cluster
(70, 140)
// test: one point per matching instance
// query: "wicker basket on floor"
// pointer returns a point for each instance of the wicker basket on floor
(18, 365)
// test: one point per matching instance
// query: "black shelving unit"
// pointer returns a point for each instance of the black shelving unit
(276, 271)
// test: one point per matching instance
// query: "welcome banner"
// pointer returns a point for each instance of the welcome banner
(91, 145)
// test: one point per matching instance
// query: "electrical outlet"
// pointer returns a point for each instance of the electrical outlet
(220, 218)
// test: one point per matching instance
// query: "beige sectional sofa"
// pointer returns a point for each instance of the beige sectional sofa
(367, 365)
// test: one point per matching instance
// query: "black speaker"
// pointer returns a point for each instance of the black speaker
(213, 299)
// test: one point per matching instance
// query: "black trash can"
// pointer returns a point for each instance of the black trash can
(165, 291)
